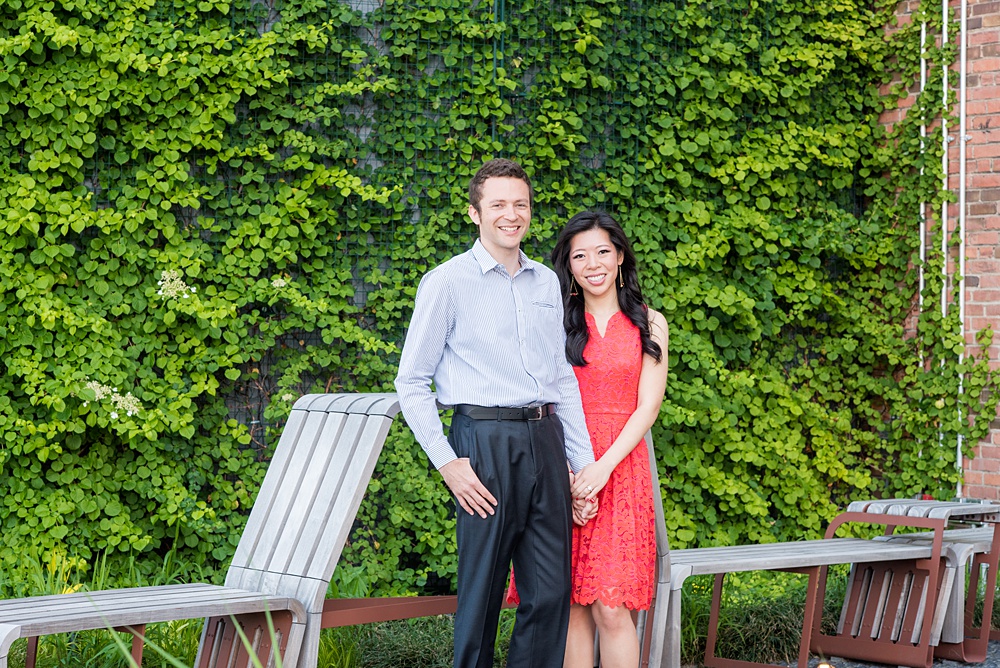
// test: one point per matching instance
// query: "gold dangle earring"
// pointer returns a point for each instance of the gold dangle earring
(572, 291)
(621, 279)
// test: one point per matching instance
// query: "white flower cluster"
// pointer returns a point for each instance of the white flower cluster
(125, 403)
(287, 396)
(278, 283)
(100, 390)
(172, 285)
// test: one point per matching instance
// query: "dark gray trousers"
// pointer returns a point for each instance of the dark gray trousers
(523, 464)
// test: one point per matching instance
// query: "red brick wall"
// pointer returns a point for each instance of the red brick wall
(982, 296)
(982, 165)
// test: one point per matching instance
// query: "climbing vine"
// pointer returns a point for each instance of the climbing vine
(211, 208)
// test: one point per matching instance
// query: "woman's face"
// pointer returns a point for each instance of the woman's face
(594, 262)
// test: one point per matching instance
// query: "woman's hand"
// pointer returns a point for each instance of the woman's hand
(589, 481)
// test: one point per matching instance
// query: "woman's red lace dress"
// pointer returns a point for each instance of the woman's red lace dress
(614, 554)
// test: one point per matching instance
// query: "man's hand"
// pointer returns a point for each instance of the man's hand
(463, 482)
(584, 510)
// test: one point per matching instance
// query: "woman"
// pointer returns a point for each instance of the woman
(618, 348)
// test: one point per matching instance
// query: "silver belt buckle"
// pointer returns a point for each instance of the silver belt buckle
(537, 413)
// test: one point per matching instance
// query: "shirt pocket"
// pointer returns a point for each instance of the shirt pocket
(546, 325)
(545, 314)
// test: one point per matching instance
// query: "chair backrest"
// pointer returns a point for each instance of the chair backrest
(653, 633)
(662, 545)
(310, 495)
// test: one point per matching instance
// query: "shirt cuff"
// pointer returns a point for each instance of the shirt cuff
(577, 462)
(440, 452)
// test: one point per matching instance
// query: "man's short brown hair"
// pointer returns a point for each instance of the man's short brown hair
(497, 168)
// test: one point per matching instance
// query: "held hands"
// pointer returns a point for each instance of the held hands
(584, 509)
(589, 481)
(471, 493)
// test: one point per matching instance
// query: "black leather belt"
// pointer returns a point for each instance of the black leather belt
(499, 413)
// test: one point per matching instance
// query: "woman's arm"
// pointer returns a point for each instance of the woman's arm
(652, 384)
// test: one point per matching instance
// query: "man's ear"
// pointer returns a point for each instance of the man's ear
(474, 215)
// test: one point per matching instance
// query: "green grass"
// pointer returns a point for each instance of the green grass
(98, 649)
(415, 643)
(760, 618)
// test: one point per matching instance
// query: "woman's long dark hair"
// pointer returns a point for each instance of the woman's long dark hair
(629, 297)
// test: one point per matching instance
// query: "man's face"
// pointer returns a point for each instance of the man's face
(504, 214)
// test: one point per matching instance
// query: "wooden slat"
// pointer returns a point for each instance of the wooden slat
(328, 403)
(916, 604)
(979, 539)
(924, 508)
(299, 515)
(857, 595)
(386, 405)
(96, 603)
(898, 605)
(323, 559)
(9, 607)
(777, 556)
(127, 607)
(16, 610)
(315, 505)
(261, 512)
(874, 607)
(297, 479)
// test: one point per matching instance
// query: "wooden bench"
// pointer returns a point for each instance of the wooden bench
(284, 561)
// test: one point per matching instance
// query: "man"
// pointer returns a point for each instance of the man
(487, 329)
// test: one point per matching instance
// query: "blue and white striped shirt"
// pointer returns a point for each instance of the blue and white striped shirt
(488, 339)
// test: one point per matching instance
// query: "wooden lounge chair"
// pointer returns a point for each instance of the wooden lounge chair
(283, 564)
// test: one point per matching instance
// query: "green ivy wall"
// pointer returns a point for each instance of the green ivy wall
(210, 208)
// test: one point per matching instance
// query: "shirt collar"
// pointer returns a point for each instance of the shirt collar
(488, 262)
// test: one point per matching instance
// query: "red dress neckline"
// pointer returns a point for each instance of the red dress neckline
(593, 322)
